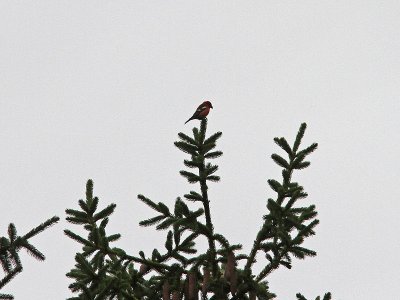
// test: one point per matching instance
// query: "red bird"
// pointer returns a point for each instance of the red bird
(202, 111)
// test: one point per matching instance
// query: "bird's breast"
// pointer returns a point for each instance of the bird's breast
(204, 112)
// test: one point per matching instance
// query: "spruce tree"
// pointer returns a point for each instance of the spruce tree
(9, 251)
(180, 271)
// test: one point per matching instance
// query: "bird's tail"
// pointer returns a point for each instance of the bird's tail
(189, 120)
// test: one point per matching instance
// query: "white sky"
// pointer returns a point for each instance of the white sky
(100, 89)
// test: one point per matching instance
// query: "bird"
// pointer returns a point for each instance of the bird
(202, 111)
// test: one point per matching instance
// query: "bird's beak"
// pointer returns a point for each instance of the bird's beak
(211, 105)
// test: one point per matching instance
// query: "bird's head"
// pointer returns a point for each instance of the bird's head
(208, 103)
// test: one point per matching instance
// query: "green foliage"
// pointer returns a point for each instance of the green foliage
(101, 271)
(327, 296)
(180, 270)
(285, 226)
(10, 247)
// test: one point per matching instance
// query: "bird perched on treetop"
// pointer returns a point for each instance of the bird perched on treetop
(202, 111)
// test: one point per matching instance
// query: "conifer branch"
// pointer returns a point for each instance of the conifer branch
(204, 146)
(327, 296)
(207, 213)
(275, 237)
(41, 227)
(9, 248)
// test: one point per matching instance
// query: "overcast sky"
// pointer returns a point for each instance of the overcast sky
(100, 89)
